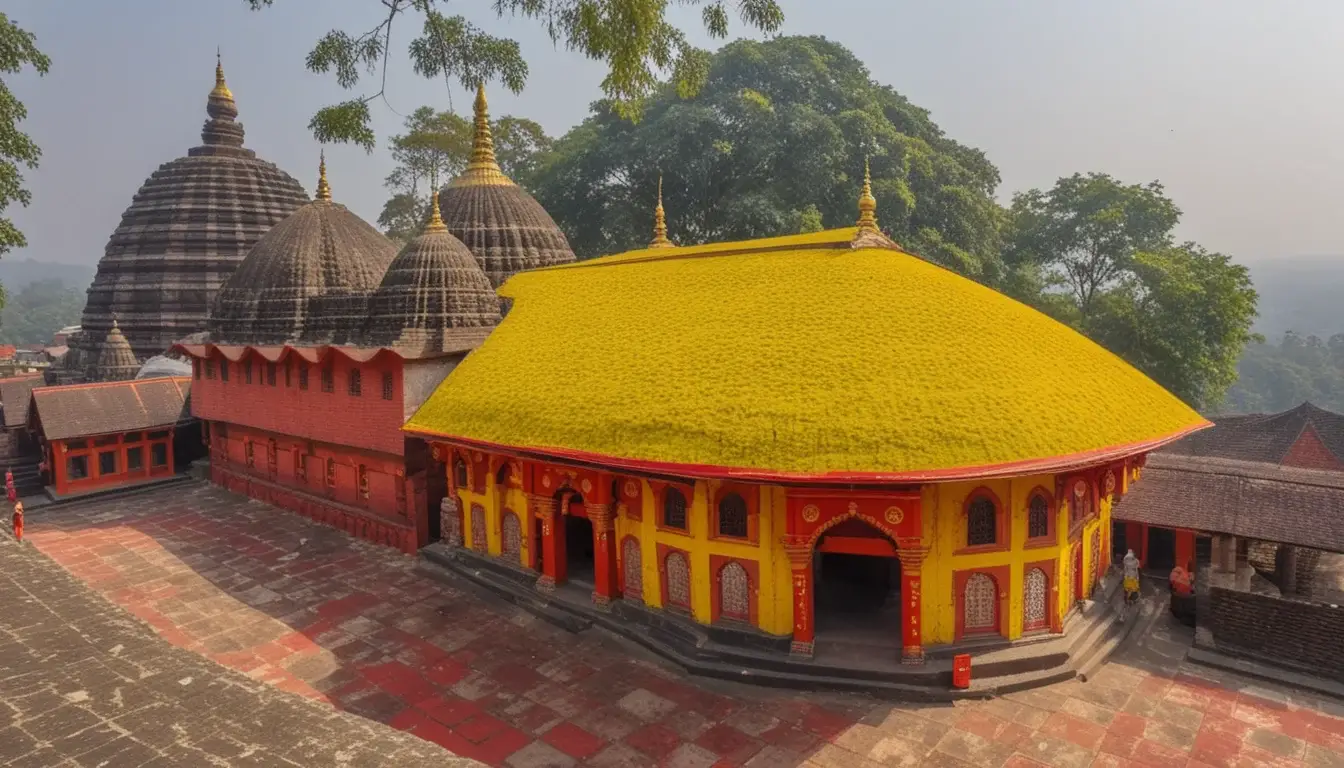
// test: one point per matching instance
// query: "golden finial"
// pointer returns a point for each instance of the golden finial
(867, 203)
(660, 222)
(323, 188)
(435, 223)
(483, 169)
(221, 89)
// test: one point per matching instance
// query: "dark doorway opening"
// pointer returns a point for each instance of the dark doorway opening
(856, 596)
(1161, 549)
(579, 560)
(1119, 545)
(1203, 550)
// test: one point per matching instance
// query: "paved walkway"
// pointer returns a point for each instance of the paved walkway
(313, 612)
(82, 684)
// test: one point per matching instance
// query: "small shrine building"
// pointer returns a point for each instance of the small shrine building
(794, 436)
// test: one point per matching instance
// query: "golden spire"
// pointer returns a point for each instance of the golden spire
(867, 204)
(660, 222)
(483, 169)
(323, 188)
(435, 223)
(221, 89)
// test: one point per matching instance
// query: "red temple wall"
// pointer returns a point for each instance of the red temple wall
(367, 420)
(321, 481)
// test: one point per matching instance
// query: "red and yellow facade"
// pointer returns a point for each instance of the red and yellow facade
(1050, 542)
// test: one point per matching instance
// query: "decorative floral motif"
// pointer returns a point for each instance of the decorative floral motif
(678, 575)
(587, 485)
(633, 564)
(981, 604)
(631, 488)
(513, 536)
(734, 593)
(893, 516)
(811, 513)
(1034, 601)
(1110, 482)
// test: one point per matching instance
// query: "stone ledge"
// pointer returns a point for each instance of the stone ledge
(1265, 671)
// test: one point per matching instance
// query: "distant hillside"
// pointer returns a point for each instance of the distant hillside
(17, 274)
(1303, 294)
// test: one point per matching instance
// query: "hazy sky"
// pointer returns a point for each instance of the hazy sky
(1236, 105)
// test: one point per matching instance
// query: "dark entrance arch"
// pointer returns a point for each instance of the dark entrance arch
(856, 593)
(580, 562)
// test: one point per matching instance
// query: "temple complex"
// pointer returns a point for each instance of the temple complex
(187, 228)
(793, 440)
(318, 349)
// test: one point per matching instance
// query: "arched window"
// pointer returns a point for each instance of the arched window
(678, 575)
(734, 593)
(981, 604)
(460, 473)
(1038, 517)
(478, 541)
(674, 509)
(733, 516)
(513, 536)
(982, 524)
(353, 382)
(1036, 588)
(632, 566)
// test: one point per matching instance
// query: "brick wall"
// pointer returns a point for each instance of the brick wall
(1297, 633)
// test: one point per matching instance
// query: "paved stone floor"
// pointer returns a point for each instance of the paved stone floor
(81, 683)
(313, 612)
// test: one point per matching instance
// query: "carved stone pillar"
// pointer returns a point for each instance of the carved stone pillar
(605, 587)
(912, 643)
(799, 550)
(552, 544)
(450, 522)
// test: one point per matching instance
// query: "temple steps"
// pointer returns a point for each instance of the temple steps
(998, 667)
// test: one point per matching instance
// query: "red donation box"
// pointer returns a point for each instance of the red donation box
(961, 671)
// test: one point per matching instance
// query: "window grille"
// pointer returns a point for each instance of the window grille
(353, 383)
(223, 370)
(1038, 518)
(981, 523)
(303, 375)
(387, 386)
(270, 374)
(328, 380)
(674, 509)
(209, 369)
(733, 516)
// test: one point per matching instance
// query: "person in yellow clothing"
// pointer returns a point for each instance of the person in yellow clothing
(1131, 582)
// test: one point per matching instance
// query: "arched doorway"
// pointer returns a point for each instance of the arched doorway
(856, 593)
(579, 556)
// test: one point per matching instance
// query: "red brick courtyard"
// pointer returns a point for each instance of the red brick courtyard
(321, 615)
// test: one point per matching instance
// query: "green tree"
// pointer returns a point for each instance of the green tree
(1276, 377)
(632, 37)
(775, 143)
(17, 49)
(39, 310)
(437, 146)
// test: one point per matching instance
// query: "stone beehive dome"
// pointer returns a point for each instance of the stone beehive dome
(309, 277)
(505, 228)
(187, 228)
(434, 297)
(116, 361)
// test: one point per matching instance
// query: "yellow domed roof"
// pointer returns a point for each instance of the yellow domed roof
(797, 357)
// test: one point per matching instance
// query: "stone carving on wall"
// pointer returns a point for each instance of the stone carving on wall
(450, 526)
(1034, 602)
(633, 563)
(981, 604)
(478, 541)
(513, 538)
(678, 581)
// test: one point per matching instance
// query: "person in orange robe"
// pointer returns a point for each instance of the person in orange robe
(18, 521)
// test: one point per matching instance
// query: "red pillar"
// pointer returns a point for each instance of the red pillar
(605, 573)
(1185, 549)
(1136, 536)
(552, 543)
(912, 643)
(799, 550)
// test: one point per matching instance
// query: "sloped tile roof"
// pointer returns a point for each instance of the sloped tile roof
(85, 410)
(14, 396)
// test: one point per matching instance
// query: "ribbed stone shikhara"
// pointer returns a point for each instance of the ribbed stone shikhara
(308, 280)
(505, 228)
(187, 229)
(434, 297)
(116, 361)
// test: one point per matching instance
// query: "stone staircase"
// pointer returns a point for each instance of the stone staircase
(27, 478)
(1092, 633)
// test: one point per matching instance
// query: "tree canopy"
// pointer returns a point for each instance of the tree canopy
(1276, 377)
(38, 310)
(17, 50)
(775, 142)
(632, 37)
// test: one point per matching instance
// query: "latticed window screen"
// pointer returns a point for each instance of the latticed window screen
(387, 386)
(209, 369)
(478, 527)
(270, 374)
(1035, 588)
(303, 375)
(674, 509)
(733, 516)
(247, 372)
(353, 383)
(328, 379)
(982, 523)
(678, 581)
(633, 568)
(734, 593)
(513, 536)
(1038, 517)
(981, 604)
(223, 370)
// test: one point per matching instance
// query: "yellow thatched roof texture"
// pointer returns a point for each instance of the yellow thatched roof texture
(794, 355)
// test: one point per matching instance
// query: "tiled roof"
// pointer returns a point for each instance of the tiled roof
(1263, 437)
(1256, 500)
(14, 396)
(85, 410)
